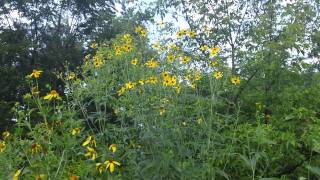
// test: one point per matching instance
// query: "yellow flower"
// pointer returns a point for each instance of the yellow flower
(152, 63)
(214, 51)
(173, 81)
(156, 45)
(138, 29)
(141, 82)
(187, 77)
(213, 63)
(35, 148)
(178, 89)
(40, 177)
(16, 174)
(100, 167)
(193, 85)
(127, 38)
(162, 110)
(74, 177)
(94, 45)
(152, 80)
(75, 131)
(185, 59)
(170, 58)
(173, 46)
(97, 63)
(87, 57)
(2, 146)
(6, 135)
(71, 76)
(181, 33)
(90, 140)
(111, 165)
(143, 33)
(121, 91)
(127, 48)
(91, 152)
(130, 85)
(204, 47)
(113, 148)
(35, 73)
(197, 75)
(165, 74)
(53, 95)
(218, 75)
(192, 34)
(235, 80)
(134, 61)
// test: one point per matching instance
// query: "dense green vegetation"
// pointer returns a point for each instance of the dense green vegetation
(235, 95)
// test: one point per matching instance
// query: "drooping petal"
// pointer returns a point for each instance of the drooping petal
(111, 167)
(87, 141)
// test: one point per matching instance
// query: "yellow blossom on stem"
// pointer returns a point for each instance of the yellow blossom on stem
(204, 47)
(152, 80)
(100, 167)
(218, 75)
(127, 38)
(185, 59)
(213, 63)
(162, 110)
(53, 95)
(173, 81)
(127, 47)
(17, 174)
(35, 73)
(71, 76)
(91, 152)
(94, 45)
(2, 146)
(156, 45)
(90, 140)
(75, 131)
(170, 58)
(141, 82)
(192, 34)
(138, 29)
(130, 85)
(178, 89)
(199, 121)
(181, 33)
(111, 165)
(193, 85)
(235, 80)
(197, 76)
(97, 63)
(121, 91)
(5, 135)
(113, 148)
(214, 51)
(35, 148)
(173, 46)
(152, 63)
(134, 61)
(143, 33)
